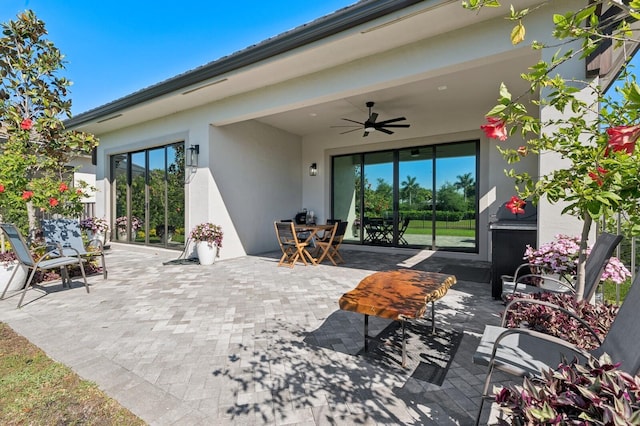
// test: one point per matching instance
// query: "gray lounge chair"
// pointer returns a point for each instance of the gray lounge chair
(600, 253)
(526, 353)
(67, 233)
(50, 260)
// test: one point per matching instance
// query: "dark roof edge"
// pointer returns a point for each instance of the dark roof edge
(323, 27)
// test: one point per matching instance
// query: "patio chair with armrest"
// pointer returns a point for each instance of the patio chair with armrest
(331, 246)
(595, 263)
(402, 230)
(67, 233)
(292, 248)
(50, 260)
(527, 353)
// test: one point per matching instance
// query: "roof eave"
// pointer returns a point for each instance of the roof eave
(319, 29)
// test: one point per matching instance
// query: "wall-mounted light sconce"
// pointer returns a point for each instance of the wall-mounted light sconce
(192, 155)
(313, 169)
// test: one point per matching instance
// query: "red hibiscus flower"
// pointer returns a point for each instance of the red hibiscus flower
(79, 191)
(516, 205)
(26, 124)
(63, 187)
(598, 175)
(622, 138)
(495, 129)
(26, 195)
(53, 202)
(1, 188)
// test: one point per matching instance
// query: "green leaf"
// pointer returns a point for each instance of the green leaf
(517, 34)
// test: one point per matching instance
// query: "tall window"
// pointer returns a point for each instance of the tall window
(148, 196)
(413, 197)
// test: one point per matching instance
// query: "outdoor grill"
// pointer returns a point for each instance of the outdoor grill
(510, 234)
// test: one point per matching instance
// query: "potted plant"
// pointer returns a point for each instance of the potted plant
(8, 263)
(122, 223)
(95, 227)
(208, 239)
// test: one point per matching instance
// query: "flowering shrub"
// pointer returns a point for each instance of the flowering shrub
(122, 221)
(208, 232)
(597, 393)
(561, 257)
(554, 322)
(7, 257)
(94, 224)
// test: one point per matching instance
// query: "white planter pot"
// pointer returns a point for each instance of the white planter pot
(122, 235)
(206, 252)
(100, 236)
(18, 281)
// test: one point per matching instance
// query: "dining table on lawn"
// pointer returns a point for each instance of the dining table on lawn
(311, 233)
(401, 295)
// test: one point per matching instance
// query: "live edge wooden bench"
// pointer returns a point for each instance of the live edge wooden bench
(399, 295)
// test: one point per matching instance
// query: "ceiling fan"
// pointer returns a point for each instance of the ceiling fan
(371, 124)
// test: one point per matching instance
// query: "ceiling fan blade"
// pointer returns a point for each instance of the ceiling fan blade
(394, 125)
(352, 125)
(349, 131)
(383, 130)
(372, 117)
(393, 120)
(353, 121)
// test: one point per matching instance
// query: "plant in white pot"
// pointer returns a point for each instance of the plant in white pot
(208, 239)
(8, 266)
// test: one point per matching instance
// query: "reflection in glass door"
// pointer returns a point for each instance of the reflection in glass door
(149, 205)
(423, 197)
(416, 197)
(378, 218)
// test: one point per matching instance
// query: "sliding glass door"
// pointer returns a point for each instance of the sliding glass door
(148, 196)
(413, 197)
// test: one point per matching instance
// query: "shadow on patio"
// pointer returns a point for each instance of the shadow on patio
(246, 342)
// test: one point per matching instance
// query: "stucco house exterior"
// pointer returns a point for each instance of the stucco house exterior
(261, 118)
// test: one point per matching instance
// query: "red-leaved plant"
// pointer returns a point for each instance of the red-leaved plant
(554, 322)
(597, 393)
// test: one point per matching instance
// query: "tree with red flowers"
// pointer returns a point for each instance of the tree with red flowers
(35, 148)
(597, 140)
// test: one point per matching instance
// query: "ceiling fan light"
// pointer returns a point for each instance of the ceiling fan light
(369, 128)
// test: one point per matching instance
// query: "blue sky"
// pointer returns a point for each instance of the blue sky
(116, 47)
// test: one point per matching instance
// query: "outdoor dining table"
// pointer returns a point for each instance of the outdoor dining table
(313, 233)
(400, 295)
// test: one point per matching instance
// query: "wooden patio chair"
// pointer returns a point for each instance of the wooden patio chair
(50, 260)
(292, 249)
(67, 233)
(331, 245)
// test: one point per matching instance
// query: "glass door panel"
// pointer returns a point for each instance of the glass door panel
(119, 172)
(157, 196)
(378, 225)
(139, 195)
(346, 194)
(415, 204)
(175, 233)
(456, 196)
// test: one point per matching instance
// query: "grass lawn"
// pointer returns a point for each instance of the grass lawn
(610, 291)
(35, 390)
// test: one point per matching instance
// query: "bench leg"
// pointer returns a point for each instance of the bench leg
(404, 346)
(366, 332)
(433, 317)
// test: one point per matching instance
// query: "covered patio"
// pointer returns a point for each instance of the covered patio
(246, 342)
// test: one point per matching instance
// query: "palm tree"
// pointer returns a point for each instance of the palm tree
(409, 187)
(467, 183)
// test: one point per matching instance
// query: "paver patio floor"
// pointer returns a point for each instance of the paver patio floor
(246, 342)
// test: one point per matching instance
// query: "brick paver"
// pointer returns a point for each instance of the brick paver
(246, 342)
